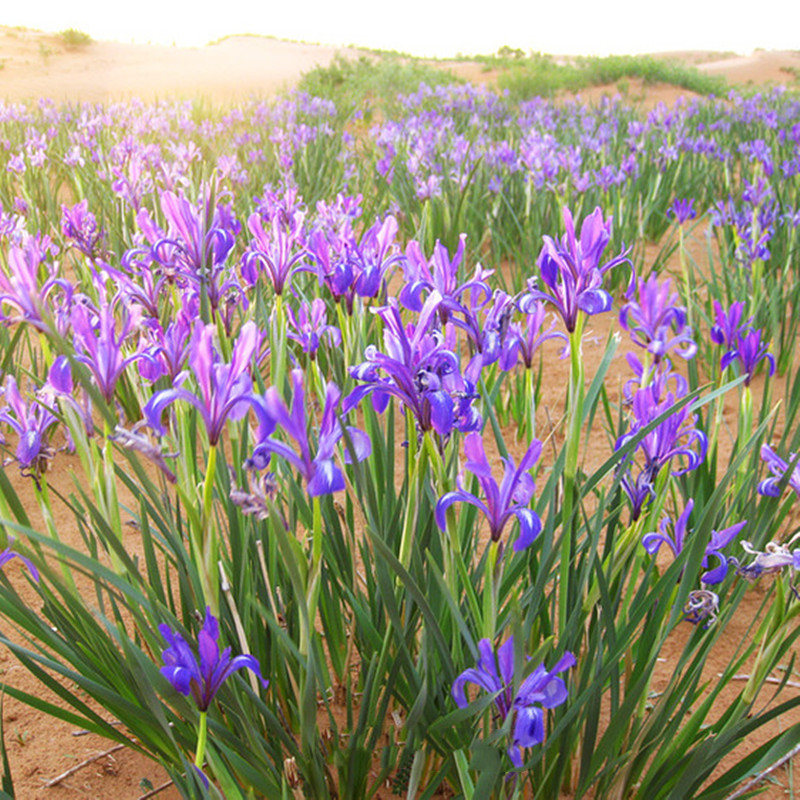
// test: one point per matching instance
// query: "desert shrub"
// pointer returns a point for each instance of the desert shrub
(73, 38)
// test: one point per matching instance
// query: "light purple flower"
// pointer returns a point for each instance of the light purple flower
(198, 241)
(100, 342)
(310, 325)
(747, 352)
(79, 225)
(656, 322)
(223, 390)
(31, 420)
(682, 210)
(441, 274)
(36, 303)
(674, 438)
(728, 325)
(275, 252)
(420, 371)
(773, 559)
(523, 339)
(510, 499)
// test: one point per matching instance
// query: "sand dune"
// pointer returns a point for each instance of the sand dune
(36, 64)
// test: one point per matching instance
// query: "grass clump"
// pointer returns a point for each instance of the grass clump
(542, 75)
(74, 39)
(374, 81)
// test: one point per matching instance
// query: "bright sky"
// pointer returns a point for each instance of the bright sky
(433, 27)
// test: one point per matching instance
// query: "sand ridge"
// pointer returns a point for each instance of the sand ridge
(34, 64)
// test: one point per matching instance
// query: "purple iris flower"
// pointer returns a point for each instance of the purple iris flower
(20, 288)
(656, 321)
(169, 350)
(494, 674)
(771, 487)
(31, 421)
(374, 256)
(79, 225)
(202, 679)
(489, 334)
(310, 325)
(571, 270)
(197, 246)
(143, 281)
(420, 371)
(7, 554)
(100, 341)
(748, 351)
(673, 438)
(524, 339)
(353, 269)
(334, 269)
(321, 474)
(509, 499)
(440, 274)
(223, 389)
(719, 539)
(196, 240)
(659, 376)
(682, 210)
(277, 253)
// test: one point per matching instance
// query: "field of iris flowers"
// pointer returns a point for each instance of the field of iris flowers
(356, 517)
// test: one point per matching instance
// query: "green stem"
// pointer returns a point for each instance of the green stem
(415, 469)
(490, 591)
(575, 401)
(207, 548)
(530, 404)
(278, 344)
(202, 739)
(742, 435)
(312, 589)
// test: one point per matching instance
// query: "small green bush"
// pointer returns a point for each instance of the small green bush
(73, 38)
(379, 78)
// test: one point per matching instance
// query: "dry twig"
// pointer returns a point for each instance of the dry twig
(154, 792)
(72, 770)
(751, 784)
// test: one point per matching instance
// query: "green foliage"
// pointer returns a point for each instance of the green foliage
(371, 84)
(360, 610)
(543, 76)
(74, 39)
